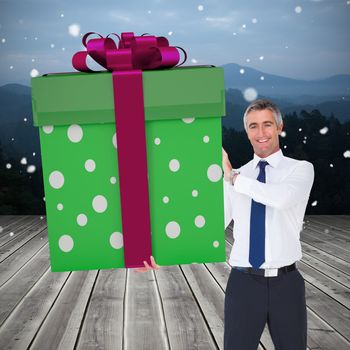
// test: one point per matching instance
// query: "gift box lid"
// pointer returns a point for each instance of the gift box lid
(87, 98)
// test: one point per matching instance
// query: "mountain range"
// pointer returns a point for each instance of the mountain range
(330, 96)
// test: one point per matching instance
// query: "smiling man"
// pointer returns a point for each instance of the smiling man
(266, 198)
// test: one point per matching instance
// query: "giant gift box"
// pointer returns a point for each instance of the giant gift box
(75, 113)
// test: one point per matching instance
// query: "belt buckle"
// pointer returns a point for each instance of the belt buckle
(271, 273)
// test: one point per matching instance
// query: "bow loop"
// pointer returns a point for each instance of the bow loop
(132, 52)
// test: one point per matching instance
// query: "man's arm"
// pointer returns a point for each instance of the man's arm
(295, 187)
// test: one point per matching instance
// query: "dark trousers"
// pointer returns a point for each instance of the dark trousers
(252, 301)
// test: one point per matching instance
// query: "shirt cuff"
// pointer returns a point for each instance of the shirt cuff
(243, 184)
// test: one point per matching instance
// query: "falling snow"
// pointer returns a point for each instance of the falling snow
(62, 15)
(248, 60)
(200, 7)
(25, 119)
(324, 131)
(314, 203)
(254, 20)
(31, 169)
(331, 165)
(250, 94)
(262, 78)
(298, 9)
(261, 58)
(74, 30)
(52, 46)
(300, 129)
(1, 229)
(11, 67)
(24, 161)
(3, 40)
(34, 73)
(244, 26)
(242, 71)
(170, 33)
(8, 166)
(11, 234)
(283, 134)
(346, 154)
(193, 60)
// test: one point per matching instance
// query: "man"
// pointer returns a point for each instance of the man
(266, 198)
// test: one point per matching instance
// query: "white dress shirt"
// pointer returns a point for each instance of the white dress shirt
(285, 195)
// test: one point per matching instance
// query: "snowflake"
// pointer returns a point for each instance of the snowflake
(346, 154)
(298, 9)
(34, 73)
(200, 7)
(324, 131)
(242, 71)
(314, 203)
(254, 20)
(193, 60)
(250, 94)
(283, 134)
(74, 30)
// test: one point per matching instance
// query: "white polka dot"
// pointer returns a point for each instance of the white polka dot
(99, 203)
(165, 199)
(214, 173)
(48, 129)
(172, 229)
(215, 244)
(157, 141)
(59, 206)
(75, 133)
(188, 120)
(174, 165)
(113, 180)
(206, 139)
(82, 219)
(199, 221)
(90, 165)
(194, 193)
(56, 179)
(66, 243)
(116, 240)
(114, 140)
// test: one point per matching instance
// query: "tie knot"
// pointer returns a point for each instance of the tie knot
(263, 164)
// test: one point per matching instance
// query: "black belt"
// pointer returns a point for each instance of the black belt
(266, 272)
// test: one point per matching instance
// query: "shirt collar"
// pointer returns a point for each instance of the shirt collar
(273, 159)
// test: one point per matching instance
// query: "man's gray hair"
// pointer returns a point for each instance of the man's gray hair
(260, 105)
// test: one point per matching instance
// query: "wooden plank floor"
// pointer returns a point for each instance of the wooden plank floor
(178, 307)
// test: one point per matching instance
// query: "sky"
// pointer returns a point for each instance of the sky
(302, 39)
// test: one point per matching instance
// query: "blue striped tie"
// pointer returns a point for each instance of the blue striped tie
(257, 226)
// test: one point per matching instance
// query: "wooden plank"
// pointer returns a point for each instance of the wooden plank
(317, 242)
(329, 259)
(103, 324)
(16, 227)
(340, 222)
(21, 326)
(329, 310)
(327, 270)
(16, 288)
(328, 228)
(144, 313)
(322, 336)
(21, 239)
(6, 220)
(210, 298)
(64, 320)
(13, 263)
(185, 324)
(341, 240)
(332, 288)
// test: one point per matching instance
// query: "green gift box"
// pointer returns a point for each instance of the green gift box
(75, 115)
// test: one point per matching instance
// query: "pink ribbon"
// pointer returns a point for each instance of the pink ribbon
(134, 54)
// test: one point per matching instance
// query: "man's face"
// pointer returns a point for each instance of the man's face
(263, 132)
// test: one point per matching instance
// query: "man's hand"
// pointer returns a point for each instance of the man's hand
(226, 165)
(147, 267)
